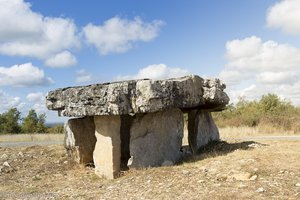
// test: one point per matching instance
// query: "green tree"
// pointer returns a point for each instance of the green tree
(9, 121)
(34, 123)
(271, 104)
(2, 121)
(40, 127)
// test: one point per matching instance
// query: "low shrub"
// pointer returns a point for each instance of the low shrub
(269, 111)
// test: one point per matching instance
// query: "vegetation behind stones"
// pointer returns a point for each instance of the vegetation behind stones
(268, 113)
(12, 122)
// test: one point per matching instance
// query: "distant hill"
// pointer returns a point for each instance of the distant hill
(53, 124)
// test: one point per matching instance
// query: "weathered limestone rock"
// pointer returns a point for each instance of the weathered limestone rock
(139, 122)
(80, 139)
(213, 94)
(138, 96)
(107, 153)
(156, 138)
(201, 129)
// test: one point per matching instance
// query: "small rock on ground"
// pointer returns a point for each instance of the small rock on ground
(242, 176)
(260, 190)
(167, 163)
(4, 156)
(21, 154)
(5, 164)
(253, 178)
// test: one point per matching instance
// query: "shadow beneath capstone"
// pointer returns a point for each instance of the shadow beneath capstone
(217, 148)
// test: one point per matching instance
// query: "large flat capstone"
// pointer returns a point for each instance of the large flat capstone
(138, 96)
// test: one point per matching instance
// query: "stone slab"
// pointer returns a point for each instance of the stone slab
(201, 129)
(107, 152)
(138, 96)
(80, 139)
(156, 138)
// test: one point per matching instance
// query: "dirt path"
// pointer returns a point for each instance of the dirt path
(265, 137)
(25, 144)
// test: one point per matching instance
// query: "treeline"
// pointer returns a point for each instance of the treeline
(268, 112)
(12, 122)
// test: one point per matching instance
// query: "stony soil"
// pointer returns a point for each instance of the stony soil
(226, 170)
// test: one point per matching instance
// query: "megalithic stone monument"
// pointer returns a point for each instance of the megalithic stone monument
(137, 123)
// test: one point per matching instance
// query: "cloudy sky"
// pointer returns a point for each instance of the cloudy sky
(252, 45)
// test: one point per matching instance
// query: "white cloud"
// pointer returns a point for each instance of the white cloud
(23, 75)
(37, 102)
(160, 71)
(254, 55)
(277, 77)
(290, 92)
(24, 32)
(250, 92)
(255, 68)
(117, 35)
(63, 59)
(7, 101)
(233, 77)
(285, 15)
(35, 97)
(82, 76)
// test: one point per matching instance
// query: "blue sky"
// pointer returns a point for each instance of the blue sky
(252, 45)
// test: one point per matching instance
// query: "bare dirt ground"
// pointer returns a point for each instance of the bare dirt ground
(225, 170)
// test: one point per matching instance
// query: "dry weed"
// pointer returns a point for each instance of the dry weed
(31, 137)
(225, 170)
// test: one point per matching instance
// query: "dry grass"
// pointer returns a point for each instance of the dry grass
(244, 131)
(221, 171)
(227, 132)
(31, 137)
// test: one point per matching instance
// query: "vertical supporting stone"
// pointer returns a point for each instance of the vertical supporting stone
(207, 129)
(156, 138)
(80, 139)
(202, 129)
(107, 153)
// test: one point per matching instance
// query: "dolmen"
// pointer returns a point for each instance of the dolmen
(137, 123)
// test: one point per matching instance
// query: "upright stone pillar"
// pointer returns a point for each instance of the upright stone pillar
(107, 153)
(80, 139)
(201, 129)
(156, 138)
